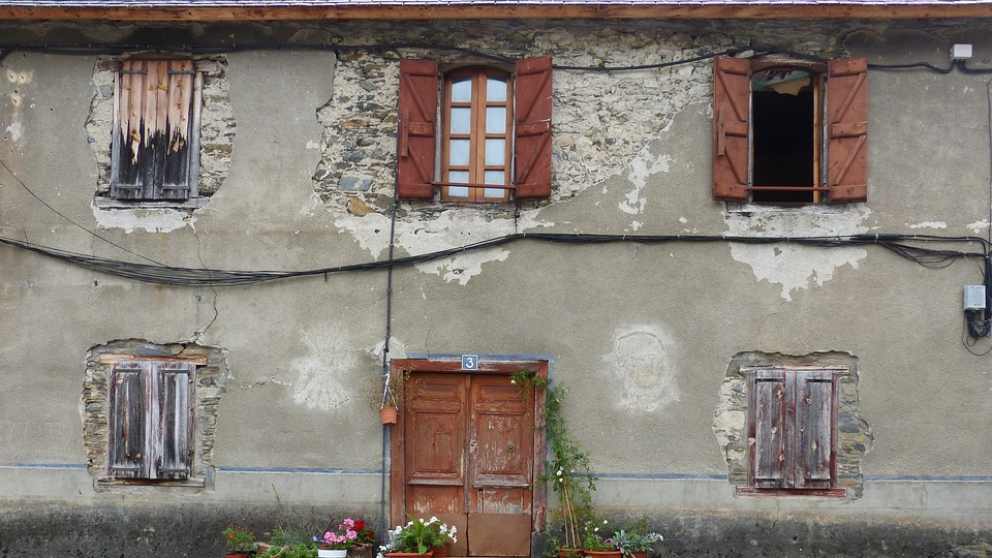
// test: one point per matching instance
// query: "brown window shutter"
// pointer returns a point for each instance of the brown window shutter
(767, 429)
(847, 115)
(127, 420)
(814, 418)
(417, 139)
(151, 143)
(731, 117)
(174, 455)
(532, 114)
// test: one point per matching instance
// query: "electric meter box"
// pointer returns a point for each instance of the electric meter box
(974, 297)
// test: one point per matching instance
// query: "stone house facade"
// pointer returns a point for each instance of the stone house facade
(738, 235)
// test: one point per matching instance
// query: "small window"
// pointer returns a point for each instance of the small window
(155, 140)
(151, 420)
(490, 129)
(792, 431)
(478, 121)
(790, 132)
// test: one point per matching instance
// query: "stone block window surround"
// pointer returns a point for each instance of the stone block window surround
(790, 132)
(150, 413)
(491, 122)
(787, 426)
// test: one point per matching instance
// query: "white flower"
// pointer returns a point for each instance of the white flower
(604, 522)
(454, 539)
(596, 530)
(433, 519)
(559, 472)
(512, 381)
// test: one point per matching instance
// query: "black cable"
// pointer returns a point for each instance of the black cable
(705, 56)
(900, 245)
(69, 219)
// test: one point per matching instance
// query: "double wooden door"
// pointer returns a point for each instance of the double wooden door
(468, 451)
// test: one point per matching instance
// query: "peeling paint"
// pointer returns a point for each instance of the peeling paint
(153, 220)
(790, 266)
(928, 225)
(643, 166)
(978, 226)
(642, 363)
(16, 130)
(320, 374)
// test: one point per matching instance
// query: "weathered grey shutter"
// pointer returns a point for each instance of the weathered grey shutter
(767, 431)
(814, 420)
(128, 421)
(174, 453)
(151, 147)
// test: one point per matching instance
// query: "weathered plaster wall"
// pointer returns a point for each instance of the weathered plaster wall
(642, 335)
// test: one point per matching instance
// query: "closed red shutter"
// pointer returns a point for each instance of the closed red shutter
(814, 417)
(767, 431)
(847, 115)
(731, 115)
(417, 139)
(532, 145)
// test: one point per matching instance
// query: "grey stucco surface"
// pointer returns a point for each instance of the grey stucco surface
(297, 427)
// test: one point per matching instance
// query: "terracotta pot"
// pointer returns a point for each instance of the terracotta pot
(388, 414)
(641, 554)
(569, 552)
(409, 555)
(602, 553)
(236, 555)
(442, 551)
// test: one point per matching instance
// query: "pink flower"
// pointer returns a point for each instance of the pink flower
(352, 535)
(349, 523)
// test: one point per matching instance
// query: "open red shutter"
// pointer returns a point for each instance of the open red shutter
(847, 115)
(174, 420)
(814, 417)
(532, 145)
(417, 140)
(767, 437)
(731, 114)
(128, 425)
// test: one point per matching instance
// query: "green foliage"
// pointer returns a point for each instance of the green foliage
(298, 550)
(421, 536)
(592, 539)
(239, 539)
(637, 538)
(288, 536)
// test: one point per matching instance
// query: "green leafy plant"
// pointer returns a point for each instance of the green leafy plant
(593, 540)
(420, 536)
(289, 536)
(239, 539)
(634, 540)
(299, 550)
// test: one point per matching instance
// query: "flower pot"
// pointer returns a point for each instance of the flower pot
(641, 554)
(388, 416)
(602, 553)
(329, 553)
(441, 551)
(569, 552)
(236, 555)
(409, 555)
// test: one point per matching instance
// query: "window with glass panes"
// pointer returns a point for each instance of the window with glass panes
(477, 125)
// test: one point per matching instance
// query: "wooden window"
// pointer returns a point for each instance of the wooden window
(155, 140)
(495, 130)
(151, 420)
(790, 132)
(792, 431)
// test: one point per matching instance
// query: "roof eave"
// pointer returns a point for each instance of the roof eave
(725, 10)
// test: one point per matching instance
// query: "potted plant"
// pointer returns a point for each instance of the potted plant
(364, 543)
(289, 543)
(240, 542)
(636, 542)
(444, 537)
(417, 539)
(595, 546)
(334, 543)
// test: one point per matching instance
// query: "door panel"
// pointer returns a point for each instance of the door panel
(469, 459)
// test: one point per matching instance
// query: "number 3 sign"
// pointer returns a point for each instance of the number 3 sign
(470, 362)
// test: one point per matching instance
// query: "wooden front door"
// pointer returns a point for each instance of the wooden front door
(468, 451)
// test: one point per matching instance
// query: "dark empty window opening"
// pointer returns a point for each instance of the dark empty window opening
(786, 127)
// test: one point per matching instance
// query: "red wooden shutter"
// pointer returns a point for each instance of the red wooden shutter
(174, 420)
(767, 431)
(127, 420)
(417, 140)
(847, 114)
(731, 115)
(814, 418)
(151, 142)
(532, 145)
